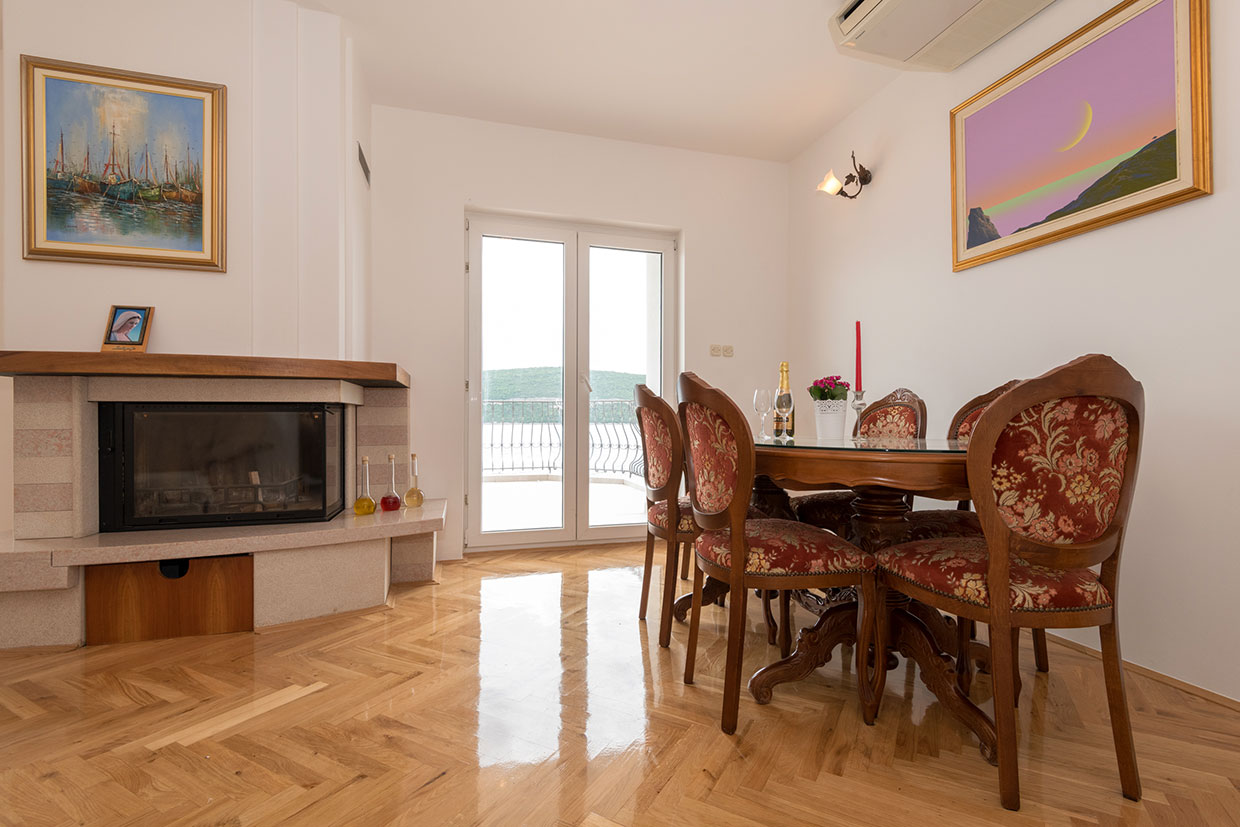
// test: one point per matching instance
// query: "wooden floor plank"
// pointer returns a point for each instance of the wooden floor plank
(521, 689)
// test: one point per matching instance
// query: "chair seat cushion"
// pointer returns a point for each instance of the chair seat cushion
(784, 547)
(956, 567)
(942, 522)
(831, 510)
(657, 515)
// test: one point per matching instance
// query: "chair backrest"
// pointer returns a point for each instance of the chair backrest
(1052, 464)
(719, 445)
(662, 450)
(962, 423)
(900, 414)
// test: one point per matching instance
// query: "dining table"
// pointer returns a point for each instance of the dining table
(883, 472)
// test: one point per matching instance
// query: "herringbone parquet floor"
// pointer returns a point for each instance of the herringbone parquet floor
(522, 690)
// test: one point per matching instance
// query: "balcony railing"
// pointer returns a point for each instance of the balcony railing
(528, 435)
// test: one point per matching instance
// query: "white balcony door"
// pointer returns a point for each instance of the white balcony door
(564, 320)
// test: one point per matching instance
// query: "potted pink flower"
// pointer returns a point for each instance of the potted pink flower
(830, 396)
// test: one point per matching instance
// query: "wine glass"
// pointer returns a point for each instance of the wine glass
(783, 408)
(762, 404)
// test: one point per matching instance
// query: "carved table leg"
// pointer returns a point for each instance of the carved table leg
(770, 499)
(712, 591)
(772, 628)
(878, 518)
(814, 646)
(941, 628)
(938, 672)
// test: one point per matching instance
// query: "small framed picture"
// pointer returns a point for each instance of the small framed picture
(128, 328)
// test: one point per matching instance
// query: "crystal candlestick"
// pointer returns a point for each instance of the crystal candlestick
(858, 405)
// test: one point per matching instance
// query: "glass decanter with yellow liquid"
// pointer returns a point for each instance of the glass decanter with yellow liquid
(364, 504)
(413, 497)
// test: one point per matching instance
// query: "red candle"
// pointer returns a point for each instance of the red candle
(857, 385)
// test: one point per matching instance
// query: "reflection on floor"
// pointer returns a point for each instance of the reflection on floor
(522, 690)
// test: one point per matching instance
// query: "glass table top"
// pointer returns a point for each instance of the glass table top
(895, 445)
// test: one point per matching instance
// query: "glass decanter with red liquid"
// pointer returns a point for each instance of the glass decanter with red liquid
(391, 500)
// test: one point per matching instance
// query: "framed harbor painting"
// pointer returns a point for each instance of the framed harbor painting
(1110, 123)
(122, 167)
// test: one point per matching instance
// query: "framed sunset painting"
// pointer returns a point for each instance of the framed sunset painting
(1111, 123)
(122, 167)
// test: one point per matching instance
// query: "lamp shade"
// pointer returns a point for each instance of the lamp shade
(830, 184)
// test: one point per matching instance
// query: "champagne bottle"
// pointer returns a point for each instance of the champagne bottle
(391, 500)
(783, 399)
(365, 504)
(413, 497)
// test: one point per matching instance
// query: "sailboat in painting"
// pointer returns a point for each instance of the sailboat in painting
(58, 177)
(117, 186)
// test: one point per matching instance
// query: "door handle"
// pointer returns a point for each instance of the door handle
(586, 380)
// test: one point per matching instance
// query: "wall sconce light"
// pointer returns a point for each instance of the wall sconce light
(859, 176)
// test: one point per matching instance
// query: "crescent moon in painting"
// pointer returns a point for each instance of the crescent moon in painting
(1087, 121)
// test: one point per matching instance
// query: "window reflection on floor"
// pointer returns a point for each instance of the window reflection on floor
(615, 673)
(519, 670)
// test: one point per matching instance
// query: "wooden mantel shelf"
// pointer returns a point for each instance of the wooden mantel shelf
(62, 363)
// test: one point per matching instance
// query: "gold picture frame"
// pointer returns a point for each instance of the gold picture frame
(128, 328)
(154, 192)
(1034, 160)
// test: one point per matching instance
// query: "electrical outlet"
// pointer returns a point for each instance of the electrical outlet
(727, 351)
(716, 350)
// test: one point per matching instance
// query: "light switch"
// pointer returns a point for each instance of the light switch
(727, 351)
(716, 350)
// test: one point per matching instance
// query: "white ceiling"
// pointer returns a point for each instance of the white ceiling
(756, 78)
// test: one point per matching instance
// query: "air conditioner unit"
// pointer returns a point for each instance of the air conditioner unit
(930, 35)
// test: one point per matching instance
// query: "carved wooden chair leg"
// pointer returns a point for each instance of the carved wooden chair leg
(1002, 670)
(1040, 656)
(1016, 685)
(772, 629)
(735, 662)
(1117, 700)
(695, 615)
(964, 665)
(685, 554)
(669, 592)
(641, 611)
(785, 623)
(871, 637)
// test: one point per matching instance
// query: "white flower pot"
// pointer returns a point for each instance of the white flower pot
(829, 415)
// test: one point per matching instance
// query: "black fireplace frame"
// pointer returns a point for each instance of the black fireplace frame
(116, 463)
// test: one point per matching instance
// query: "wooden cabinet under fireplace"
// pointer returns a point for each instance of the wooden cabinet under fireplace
(169, 598)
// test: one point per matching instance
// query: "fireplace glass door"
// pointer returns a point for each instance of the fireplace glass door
(164, 465)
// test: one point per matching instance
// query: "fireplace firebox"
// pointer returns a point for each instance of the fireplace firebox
(193, 465)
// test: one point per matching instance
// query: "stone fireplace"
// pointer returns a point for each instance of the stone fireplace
(169, 465)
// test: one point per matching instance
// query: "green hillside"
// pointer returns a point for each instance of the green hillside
(547, 383)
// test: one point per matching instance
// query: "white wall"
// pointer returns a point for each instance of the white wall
(1158, 293)
(429, 169)
(286, 213)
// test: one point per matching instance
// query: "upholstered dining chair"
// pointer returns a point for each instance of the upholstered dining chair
(899, 414)
(765, 554)
(668, 516)
(1052, 464)
(932, 523)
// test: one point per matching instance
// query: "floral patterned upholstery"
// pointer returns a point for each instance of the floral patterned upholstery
(957, 568)
(933, 523)
(1058, 466)
(965, 429)
(658, 447)
(657, 516)
(831, 510)
(785, 547)
(713, 454)
(895, 421)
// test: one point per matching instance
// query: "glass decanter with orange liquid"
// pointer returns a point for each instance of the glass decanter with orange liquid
(413, 497)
